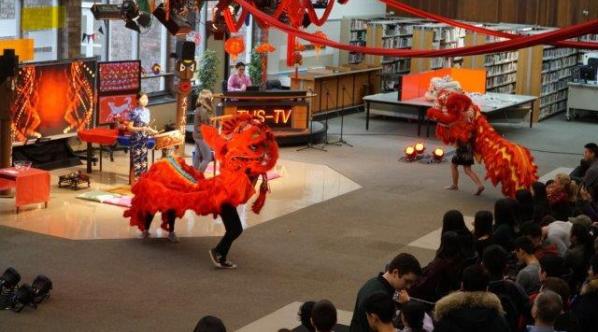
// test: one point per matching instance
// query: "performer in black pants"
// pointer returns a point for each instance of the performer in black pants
(171, 217)
(232, 224)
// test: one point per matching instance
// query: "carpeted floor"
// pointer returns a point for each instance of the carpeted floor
(323, 251)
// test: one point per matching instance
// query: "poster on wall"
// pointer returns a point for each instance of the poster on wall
(53, 99)
(119, 76)
(113, 108)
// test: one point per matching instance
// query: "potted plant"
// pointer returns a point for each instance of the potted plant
(255, 68)
(207, 70)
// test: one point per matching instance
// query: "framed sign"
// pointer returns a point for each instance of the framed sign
(113, 107)
(276, 116)
(119, 76)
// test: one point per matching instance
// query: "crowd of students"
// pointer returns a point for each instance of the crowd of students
(529, 265)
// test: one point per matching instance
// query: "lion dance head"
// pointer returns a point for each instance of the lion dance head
(245, 144)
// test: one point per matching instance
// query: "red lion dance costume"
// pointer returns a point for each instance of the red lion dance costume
(459, 118)
(246, 150)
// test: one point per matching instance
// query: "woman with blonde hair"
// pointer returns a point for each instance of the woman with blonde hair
(562, 190)
(203, 112)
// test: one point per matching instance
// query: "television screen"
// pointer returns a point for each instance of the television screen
(53, 99)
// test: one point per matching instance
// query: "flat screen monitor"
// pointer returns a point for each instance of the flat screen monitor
(53, 99)
(587, 73)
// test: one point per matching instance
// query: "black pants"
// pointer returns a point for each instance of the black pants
(232, 224)
(170, 215)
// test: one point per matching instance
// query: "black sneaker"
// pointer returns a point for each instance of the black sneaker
(219, 261)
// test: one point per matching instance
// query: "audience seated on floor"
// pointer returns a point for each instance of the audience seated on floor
(482, 231)
(587, 171)
(566, 321)
(379, 310)
(505, 220)
(443, 274)
(323, 316)
(400, 274)
(547, 308)
(210, 324)
(585, 305)
(529, 276)
(513, 297)
(413, 318)
(473, 309)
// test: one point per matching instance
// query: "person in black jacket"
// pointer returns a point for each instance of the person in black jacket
(482, 230)
(443, 274)
(400, 274)
(473, 309)
(512, 297)
(505, 219)
(585, 306)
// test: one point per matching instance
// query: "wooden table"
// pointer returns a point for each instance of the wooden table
(489, 103)
(31, 186)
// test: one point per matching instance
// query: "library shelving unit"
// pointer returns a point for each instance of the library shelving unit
(394, 33)
(436, 36)
(354, 31)
(545, 72)
(501, 68)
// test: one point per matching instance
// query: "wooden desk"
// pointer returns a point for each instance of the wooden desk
(581, 96)
(338, 88)
(31, 186)
(283, 111)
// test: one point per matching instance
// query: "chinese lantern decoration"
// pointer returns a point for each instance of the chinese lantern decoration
(297, 58)
(299, 47)
(265, 48)
(234, 46)
(318, 47)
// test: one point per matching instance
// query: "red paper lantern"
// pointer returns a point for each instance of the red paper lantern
(297, 58)
(318, 47)
(264, 48)
(234, 46)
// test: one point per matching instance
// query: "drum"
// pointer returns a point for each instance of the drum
(169, 140)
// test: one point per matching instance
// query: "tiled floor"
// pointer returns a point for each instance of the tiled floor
(300, 185)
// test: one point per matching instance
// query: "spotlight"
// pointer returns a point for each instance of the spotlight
(23, 297)
(42, 286)
(10, 278)
(420, 148)
(438, 154)
(410, 153)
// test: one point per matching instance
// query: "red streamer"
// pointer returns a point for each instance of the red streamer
(230, 21)
(421, 13)
(313, 17)
(496, 47)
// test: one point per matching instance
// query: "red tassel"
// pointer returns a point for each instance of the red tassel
(261, 199)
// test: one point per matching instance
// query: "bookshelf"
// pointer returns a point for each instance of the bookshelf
(545, 72)
(501, 68)
(391, 33)
(354, 31)
(435, 36)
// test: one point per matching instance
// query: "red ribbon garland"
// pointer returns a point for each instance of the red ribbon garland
(496, 47)
(230, 21)
(313, 17)
(421, 13)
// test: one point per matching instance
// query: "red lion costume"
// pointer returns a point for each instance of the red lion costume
(459, 118)
(246, 149)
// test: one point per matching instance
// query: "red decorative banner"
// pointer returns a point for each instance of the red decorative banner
(496, 47)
